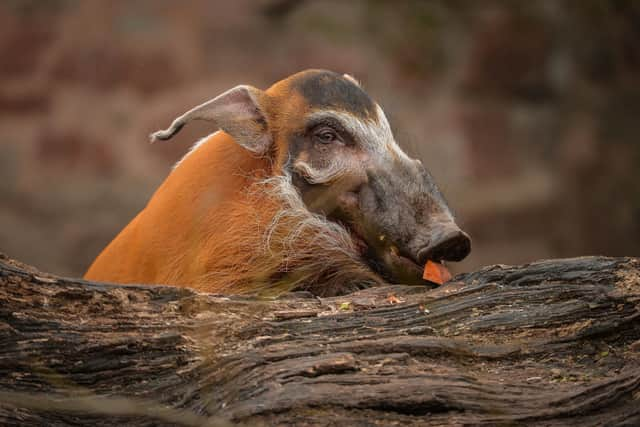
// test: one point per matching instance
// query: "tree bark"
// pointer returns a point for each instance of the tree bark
(549, 343)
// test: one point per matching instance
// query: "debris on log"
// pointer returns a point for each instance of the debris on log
(551, 343)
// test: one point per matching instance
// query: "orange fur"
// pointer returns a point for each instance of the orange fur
(164, 243)
(226, 220)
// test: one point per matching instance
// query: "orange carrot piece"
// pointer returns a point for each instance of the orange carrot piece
(436, 273)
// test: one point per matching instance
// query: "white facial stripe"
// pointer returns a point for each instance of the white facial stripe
(322, 176)
(375, 135)
(391, 144)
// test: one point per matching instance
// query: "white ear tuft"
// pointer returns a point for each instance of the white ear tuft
(352, 79)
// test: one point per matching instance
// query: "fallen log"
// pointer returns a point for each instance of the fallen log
(549, 343)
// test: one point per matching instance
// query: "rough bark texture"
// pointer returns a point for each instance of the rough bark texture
(550, 343)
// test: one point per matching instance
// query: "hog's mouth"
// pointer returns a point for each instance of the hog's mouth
(386, 260)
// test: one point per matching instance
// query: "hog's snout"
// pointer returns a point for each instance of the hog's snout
(447, 244)
(405, 221)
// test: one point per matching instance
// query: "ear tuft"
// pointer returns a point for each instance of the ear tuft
(352, 79)
(164, 135)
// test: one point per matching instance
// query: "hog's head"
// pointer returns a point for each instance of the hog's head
(334, 141)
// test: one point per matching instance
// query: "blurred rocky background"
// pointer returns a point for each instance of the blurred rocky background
(526, 112)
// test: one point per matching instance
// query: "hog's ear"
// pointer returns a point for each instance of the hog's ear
(238, 111)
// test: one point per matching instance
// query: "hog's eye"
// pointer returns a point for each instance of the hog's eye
(326, 136)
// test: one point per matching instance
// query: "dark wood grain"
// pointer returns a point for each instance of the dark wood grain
(549, 343)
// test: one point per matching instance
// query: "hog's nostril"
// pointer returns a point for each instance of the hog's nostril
(454, 246)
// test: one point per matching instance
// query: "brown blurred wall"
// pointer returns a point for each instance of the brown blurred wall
(526, 112)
